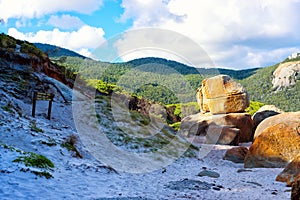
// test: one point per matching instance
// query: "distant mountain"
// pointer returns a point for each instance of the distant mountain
(55, 51)
(187, 70)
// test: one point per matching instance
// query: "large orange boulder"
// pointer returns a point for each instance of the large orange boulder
(295, 195)
(231, 128)
(275, 147)
(280, 118)
(221, 94)
(291, 171)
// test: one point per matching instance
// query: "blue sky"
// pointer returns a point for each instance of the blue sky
(234, 34)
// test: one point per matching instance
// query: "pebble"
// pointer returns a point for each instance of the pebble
(208, 173)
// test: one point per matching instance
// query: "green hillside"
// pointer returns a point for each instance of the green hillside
(158, 79)
(55, 51)
(259, 87)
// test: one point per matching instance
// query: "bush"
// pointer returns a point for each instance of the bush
(70, 144)
(254, 107)
(32, 50)
(35, 160)
(7, 42)
(185, 109)
(175, 126)
(33, 127)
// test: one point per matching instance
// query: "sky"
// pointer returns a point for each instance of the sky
(235, 34)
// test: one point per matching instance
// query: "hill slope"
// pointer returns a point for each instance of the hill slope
(260, 88)
(162, 86)
(55, 51)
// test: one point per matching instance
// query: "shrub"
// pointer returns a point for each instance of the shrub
(70, 144)
(254, 107)
(32, 50)
(45, 174)
(33, 127)
(175, 126)
(35, 160)
(7, 41)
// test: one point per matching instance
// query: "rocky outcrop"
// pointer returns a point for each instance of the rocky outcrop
(221, 121)
(286, 75)
(280, 118)
(264, 113)
(220, 94)
(38, 64)
(231, 128)
(291, 171)
(236, 155)
(275, 147)
(296, 189)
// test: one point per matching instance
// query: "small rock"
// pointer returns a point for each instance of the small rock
(187, 184)
(254, 183)
(208, 173)
(290, 172)
(236, 155)
(244, 170)
(216, 188)
(274, 193)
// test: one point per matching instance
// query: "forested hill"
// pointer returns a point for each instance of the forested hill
(55, 51)
(258, 82)
(187, 70)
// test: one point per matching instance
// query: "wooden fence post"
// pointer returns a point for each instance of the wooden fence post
(50, 106)
(34, 104)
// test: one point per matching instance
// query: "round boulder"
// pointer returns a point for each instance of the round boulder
(275, 147)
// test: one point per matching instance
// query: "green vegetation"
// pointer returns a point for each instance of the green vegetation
(102, 87)
(54, 51)
(8, 107)
(35, 160)
(254, 107)
(259, 87)
(9, 43)
(70, 144)
(175, 126)
(32, 160)
(155, 79)
(32, 50)
(33, 127)
(51, 142)
(185, 109)
(45, 174)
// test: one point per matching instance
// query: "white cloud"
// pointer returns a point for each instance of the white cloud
(38, 8)
(155, 42)
(65, 22)
(81, 41)
(148, 12)
(245, 32)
